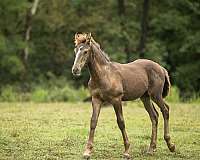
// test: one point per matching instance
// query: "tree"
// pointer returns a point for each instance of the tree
(144, 28)
(122, 16)
(28, 26)
(41, 45)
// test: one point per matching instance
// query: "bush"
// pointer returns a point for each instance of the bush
(56, 90)
(8, 94)
(173, 95)
(67, 93)
(39, 95)
(195, 98)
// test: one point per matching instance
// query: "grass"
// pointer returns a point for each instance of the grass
(57, 131)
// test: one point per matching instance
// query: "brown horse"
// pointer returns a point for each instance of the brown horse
(114, 82)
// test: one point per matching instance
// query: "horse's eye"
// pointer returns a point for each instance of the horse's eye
(85, 52)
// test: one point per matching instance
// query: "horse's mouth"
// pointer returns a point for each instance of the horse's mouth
(77, 74)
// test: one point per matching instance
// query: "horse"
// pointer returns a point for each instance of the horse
(114, 82)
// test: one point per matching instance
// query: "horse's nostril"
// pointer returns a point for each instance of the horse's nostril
(75, 71)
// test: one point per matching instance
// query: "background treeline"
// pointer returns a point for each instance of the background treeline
(36, 43)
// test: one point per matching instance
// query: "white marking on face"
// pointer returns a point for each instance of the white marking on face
(77, 54)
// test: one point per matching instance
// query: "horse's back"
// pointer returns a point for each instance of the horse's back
(143, 63)
(144, 66)
(138, 77)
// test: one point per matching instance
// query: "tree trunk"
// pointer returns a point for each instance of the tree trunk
(28, 26)
(121, 8)
(122, 14)
(144, 29)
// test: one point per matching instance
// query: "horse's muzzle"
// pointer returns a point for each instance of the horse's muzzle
(76, 71)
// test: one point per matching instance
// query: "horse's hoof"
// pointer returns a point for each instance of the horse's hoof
(126, 156)
(151, 150)
(86, 156)
(172, 147)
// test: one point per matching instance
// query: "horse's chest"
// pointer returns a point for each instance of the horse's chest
(99, 93)
(105, 92)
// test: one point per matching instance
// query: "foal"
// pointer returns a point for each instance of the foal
(114, 82)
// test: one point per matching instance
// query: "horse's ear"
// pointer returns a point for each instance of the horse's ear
(76, 39)
(88, 37)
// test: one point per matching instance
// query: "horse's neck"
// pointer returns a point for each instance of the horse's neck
(97, 64)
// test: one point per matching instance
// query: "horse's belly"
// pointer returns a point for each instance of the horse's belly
(135, 87)
(133, 94)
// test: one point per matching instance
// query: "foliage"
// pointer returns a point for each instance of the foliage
(173, 39)
(67, 94)
(39, 95)
(174, 95)
(8, 94)
(54, 90)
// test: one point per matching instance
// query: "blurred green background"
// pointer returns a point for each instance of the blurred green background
(36, 49)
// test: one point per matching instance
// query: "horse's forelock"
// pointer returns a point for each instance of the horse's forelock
(79, 38)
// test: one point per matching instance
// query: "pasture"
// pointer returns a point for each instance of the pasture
(57, 131)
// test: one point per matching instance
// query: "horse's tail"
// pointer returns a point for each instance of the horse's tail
(167, 84)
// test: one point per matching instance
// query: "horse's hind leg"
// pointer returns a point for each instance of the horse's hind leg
(165, 112)
(153, 114)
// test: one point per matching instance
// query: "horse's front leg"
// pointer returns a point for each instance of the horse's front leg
(117, 104)
(96, 105)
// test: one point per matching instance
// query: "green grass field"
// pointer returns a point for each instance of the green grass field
(59, 131)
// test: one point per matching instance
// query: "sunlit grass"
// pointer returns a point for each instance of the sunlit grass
(60, 130)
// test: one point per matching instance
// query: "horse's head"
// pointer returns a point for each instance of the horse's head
(82, 51)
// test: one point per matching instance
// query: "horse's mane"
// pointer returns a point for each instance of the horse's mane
(99, 49)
